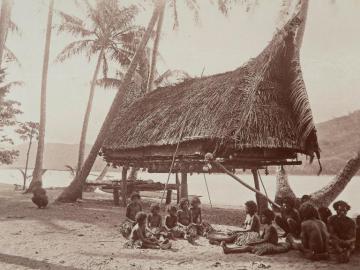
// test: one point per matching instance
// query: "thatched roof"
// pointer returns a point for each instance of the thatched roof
(262, 104)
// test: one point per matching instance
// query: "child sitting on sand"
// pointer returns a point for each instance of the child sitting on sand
(154, 220)
(138, 239)
(132, 209)
(184, 220)
(196, 218)
(171, 223)
(342, 231)
(266, 244)
(39, 195)
(314, 235)
(289, 221)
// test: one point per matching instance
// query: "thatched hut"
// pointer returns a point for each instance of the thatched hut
(257, 115)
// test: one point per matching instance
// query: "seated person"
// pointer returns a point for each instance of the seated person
(154, 221)
(138, 238)
(249, 230)
(132, 209)
(342, 231)
(39, 195)
(184, 220)
(266, 244)
(314, 235)
(324, 214)
(289, 220)
(196, 217)
(171, 223)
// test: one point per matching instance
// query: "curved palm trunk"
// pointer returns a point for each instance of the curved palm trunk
(73, 191)
(326, 195)
(102, 174)
(82, 143)
(283, 188)
(27, 163)
(37, 173)
(4, 25)
(155, 51)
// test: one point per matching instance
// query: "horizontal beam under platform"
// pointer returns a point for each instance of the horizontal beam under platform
(200, 166)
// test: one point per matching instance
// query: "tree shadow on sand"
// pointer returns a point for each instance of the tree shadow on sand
(34, 264)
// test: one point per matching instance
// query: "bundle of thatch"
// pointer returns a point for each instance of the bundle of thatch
(261, 105)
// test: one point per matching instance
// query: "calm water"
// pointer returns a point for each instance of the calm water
(223, 189)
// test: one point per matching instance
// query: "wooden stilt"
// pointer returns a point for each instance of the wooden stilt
(260, 199)
(124, 185)
(116, 196)
(184, 186)
(168, 196)
(177, 188)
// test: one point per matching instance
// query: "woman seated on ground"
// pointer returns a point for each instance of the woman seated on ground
(249, 230)
(138, 238)
(184, 220)
(342, 231)
(314, 235)
(132, 209)
(266, 244)
(289, 220)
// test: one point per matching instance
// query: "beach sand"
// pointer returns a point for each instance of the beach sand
(85, 235)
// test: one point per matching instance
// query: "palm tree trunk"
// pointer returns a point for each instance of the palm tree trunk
(27, 163)
(4, 25)
(283, 188)
(133, 173)
(330, 192)
(37, 173)
(82, 143)
(72, 192)
(155, 51)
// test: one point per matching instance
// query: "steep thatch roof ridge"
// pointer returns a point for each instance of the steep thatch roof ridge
(262, 104)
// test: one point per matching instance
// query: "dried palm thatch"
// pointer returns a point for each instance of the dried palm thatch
(261, 105)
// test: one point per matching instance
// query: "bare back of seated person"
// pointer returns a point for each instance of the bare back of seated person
(314, 236)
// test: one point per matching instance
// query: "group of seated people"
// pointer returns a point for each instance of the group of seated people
(314, 232)
(149, 231)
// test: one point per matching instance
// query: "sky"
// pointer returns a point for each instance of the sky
(330, 58)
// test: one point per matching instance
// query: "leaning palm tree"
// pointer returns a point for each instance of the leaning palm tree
(107, 32)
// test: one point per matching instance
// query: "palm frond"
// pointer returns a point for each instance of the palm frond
(109, 83)
(11, 57)
(76, 48)
(13, 27)
(73, 25)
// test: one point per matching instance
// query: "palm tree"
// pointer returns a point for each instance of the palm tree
(107, 32)
(27, 131)
(73, 191)
(38, 170)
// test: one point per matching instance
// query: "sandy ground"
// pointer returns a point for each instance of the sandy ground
(85, 236)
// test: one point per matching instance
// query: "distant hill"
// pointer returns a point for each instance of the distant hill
(56, 156)
(339, 140)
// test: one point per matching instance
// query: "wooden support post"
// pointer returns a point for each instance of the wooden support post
(177, 188)
(184, 185)
(168, 196)
(260, 199)
(124, 185)
(116, 196)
